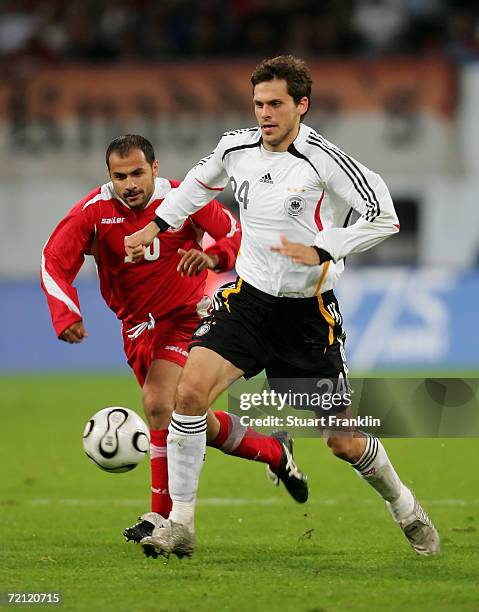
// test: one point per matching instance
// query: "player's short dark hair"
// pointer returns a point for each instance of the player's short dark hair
(126, 143)
(292, 69)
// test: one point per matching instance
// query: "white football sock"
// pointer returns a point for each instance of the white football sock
(402, 507)
(375, 468)
(186, 444)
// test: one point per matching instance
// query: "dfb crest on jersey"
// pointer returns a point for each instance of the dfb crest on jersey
(294, 205)
(202, 330)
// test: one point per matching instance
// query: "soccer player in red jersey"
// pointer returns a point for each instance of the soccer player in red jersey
(159, 301)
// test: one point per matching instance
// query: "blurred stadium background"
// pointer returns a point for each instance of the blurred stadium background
(396, 84)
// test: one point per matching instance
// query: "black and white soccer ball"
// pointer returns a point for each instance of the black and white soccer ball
(116, 439)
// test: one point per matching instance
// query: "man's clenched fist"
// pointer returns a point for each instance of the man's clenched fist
(135, 243)
(74, 334)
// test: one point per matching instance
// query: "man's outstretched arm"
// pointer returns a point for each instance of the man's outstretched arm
(200, 186)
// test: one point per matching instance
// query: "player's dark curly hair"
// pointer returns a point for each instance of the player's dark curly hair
(124, 144)
(293, 70)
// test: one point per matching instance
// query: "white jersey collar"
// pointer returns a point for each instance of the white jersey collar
(301, 136)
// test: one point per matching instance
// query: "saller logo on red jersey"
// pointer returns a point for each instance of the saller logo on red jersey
(110, 220)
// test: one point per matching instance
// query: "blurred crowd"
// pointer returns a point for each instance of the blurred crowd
(53, 31)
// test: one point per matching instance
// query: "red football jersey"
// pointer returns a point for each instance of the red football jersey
(97, 226)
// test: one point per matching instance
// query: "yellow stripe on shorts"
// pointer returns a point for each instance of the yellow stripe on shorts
(328, 318)
(227, 292)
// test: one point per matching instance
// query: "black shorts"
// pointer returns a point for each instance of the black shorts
(287, 337)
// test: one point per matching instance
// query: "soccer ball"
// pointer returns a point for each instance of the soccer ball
(116, 439)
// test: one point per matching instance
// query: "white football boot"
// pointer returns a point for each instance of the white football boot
(418, 529)
(169, 538)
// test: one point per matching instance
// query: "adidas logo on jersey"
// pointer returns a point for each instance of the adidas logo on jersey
(266, 179)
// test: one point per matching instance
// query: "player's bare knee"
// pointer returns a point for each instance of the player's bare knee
(157, 412)
(342, 447)
(191, 397)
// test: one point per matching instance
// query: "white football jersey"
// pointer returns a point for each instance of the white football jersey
(306, 194)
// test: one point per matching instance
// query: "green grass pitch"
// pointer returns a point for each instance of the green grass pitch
(62, 520)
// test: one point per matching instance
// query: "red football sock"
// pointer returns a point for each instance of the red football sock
(160, 497)
(241, 441)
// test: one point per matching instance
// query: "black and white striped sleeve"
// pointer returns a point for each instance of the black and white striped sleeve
(363, 190)
(201, 185)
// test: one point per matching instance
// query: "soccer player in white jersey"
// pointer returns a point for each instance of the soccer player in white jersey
(295, 191)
